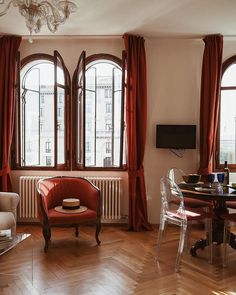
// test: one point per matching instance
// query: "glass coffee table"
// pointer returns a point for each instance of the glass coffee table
(7, 242)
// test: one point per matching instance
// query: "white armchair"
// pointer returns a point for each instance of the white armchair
(8, 207)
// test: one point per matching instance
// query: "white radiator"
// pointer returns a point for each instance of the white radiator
(110, 188)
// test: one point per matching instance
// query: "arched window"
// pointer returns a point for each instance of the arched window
(226, 144)
(42, 113)
(99, 112)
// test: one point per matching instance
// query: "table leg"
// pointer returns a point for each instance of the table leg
(232, 240)
(200, 244)
(217, 229)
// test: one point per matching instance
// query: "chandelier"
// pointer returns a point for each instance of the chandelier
(39, 12)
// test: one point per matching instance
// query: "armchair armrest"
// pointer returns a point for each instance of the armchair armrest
(9, 202)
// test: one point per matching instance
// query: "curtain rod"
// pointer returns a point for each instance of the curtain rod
(196, 37)
(69, 36)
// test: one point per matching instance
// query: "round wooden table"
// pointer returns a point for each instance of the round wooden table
(220, 210)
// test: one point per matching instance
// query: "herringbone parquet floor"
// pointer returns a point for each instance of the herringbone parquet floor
(124, 264)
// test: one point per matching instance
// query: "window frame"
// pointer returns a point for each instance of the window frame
(85, 61)
(56, 60)
(216, 161)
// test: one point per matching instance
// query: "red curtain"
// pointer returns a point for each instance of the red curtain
(8, 55)
(136, 118)
(210, 91)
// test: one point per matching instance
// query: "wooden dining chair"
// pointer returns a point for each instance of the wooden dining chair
(173, 211)
(231, 204)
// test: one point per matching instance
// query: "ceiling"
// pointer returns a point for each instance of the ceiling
(150, 18)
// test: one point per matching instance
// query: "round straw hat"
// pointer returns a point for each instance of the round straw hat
(71, 206)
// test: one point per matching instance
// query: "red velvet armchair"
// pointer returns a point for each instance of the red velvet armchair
(52, 191)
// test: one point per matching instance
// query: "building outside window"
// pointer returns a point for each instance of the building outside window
(88, 148)
(48, 147)
(41, 112)
(107, 93)
(108, 125)
(107, 162)
(60, 98)
(48, 161)
(108, 107)
(108, 147)
(59, 112)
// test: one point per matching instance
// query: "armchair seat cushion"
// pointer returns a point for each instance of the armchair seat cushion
(7, 220)
(55, 217)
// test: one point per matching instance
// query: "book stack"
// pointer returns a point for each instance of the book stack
(5, 240)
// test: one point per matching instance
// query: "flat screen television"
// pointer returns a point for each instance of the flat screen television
(176, 136)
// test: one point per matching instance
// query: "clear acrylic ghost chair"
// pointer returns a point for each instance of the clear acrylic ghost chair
(173, 211)
(176, 175)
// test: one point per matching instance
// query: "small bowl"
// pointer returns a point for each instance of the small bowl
(233, 184)
(191, 178)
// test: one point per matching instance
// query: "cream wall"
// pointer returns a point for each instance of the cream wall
(174, 73)
(174, 78)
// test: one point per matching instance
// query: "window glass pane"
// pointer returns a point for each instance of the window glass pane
(80, 112)
(37, 114)
(32, 82)
(47, 122)
(60, 76)
(102, 131)
(90, 117)
(90, 128)
(117, 116)
(31, 129)
(91, 79)
(228, 127)
(229, 77)
(60, 125)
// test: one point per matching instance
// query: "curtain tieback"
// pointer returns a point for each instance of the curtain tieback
(137, 173)
(5, 171)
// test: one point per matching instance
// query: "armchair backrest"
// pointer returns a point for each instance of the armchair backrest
(9, 202)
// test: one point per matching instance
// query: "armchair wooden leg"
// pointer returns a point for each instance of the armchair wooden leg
(98, 228)
(76, 231)
(47, 236)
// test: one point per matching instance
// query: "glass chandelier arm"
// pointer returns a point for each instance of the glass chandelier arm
(52, 15)
(52, 26)
(67, 7)
(6, 9)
